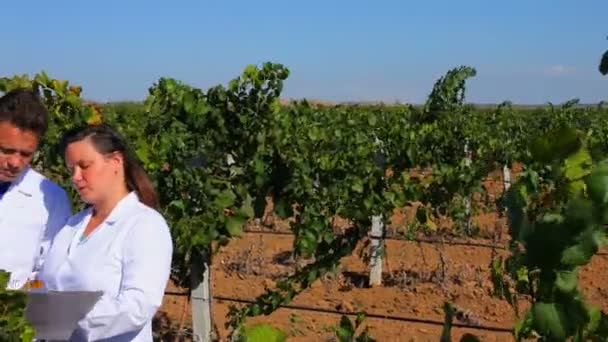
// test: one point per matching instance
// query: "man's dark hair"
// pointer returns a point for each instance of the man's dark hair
(24, 109)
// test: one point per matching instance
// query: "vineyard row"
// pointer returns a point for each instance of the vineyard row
(216, 155)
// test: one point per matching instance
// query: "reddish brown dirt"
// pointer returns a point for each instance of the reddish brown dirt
(418, 278)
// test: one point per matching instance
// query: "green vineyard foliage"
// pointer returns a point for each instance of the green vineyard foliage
(219, 157)
(556, 211)
(262, 333)
(603, 65)
(13, 325)
(211, 156)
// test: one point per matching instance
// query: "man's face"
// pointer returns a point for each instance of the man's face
(17, 148)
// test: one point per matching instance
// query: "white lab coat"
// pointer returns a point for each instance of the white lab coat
(31, 212)
(128, 257)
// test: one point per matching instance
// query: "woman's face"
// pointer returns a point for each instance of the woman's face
(94, 175)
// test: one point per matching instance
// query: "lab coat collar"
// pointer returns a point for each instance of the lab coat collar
(122, 207)
(24, 184)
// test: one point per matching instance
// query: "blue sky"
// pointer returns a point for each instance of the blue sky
(524, 51)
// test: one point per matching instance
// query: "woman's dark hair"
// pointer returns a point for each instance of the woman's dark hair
(106, 140)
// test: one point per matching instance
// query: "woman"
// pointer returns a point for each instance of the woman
(118, 244)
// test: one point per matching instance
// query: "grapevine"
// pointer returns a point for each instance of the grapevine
(13, 325)
(219, 156)
(210, 154)
(348, 163)
(557, 211)
(603, 65)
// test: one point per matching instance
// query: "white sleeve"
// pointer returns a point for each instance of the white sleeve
(146, 268)
(58, 217)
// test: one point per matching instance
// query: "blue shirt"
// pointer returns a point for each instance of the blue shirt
(4, 188)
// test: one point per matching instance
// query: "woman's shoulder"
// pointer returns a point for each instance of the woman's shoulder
(148, 224)
(149, 214)
(147, 220)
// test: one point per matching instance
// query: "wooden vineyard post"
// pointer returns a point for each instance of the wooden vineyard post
(506, 176)
(506, 182)
(200, 298)
(377, 231)
(376, 251)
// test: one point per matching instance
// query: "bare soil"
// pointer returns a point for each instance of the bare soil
(418, 277)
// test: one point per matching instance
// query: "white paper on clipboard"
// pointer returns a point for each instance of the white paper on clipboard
(55, 314)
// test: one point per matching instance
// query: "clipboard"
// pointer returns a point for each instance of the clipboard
(55, 314)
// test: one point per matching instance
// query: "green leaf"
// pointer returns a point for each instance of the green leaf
(189, 103)
(259, 206)
(264, 333)
(344, 335)
(346, 329)
(522, 275)
(282, 208)
(357, 185)
(314, 134)
(580, 253)
(307, 243)
(524, 326)
(13, 325)
(4, 84)
(4, 279)
(576, 188)
(233, 85)
(578, 165)
(566, 281)
(360, 318)
(423, 215)
(390, 197)
(202, 107)
(225, 199)
(178, 204)
(89, 115)
(143, 153)
(550, 320)
(579, 216)
(515, 201)
(251, 72)
(556, 144)
(234, 225)
(371, 120)
(595, 317)
(597, 185)
(28, 334)
(246, 210)
(551, 219)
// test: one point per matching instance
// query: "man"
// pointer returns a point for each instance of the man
(32, 208)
